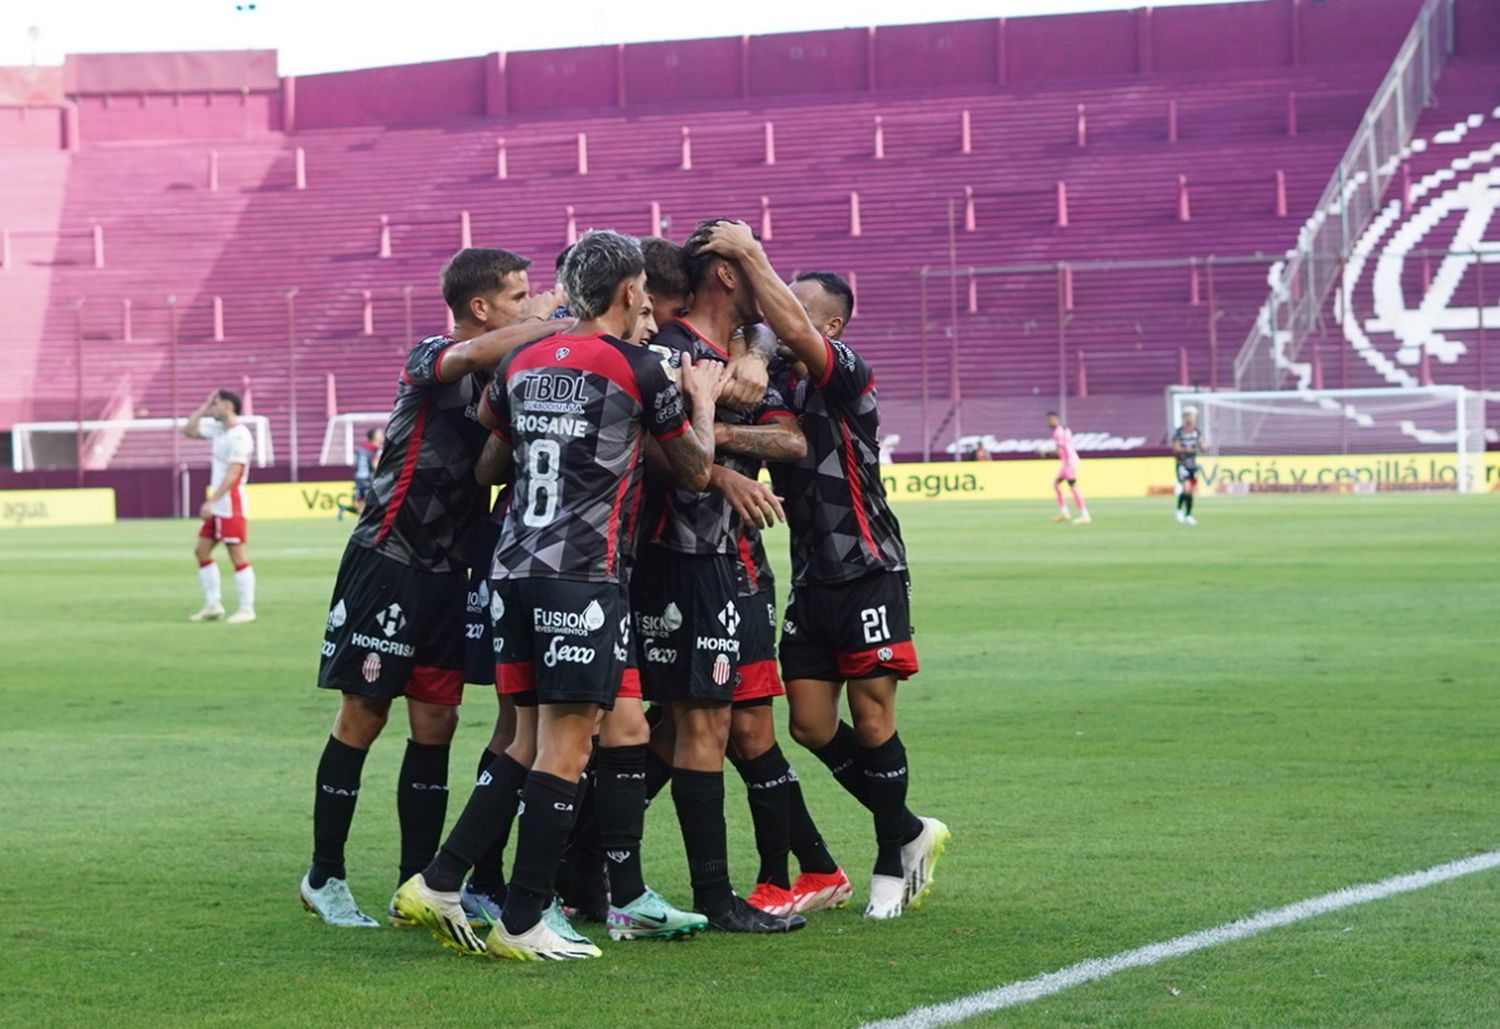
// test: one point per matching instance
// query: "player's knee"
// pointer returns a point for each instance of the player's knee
(752, 732)
(810, 733)
(360, 721)
(433, 723)
(874, 726)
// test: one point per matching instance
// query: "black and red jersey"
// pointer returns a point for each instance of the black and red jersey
(842, 527)
(703, 523)
(575, 410)
(424, 508)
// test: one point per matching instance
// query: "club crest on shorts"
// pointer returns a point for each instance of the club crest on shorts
(885, 653)
(371, 668)
(722, 669)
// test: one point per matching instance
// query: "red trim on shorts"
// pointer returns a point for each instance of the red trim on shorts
(861, 664)
(630, 685)
(857, 493)
(748, 561)
(435, 685)
(514, 677)
(759, 679)
(408, 469)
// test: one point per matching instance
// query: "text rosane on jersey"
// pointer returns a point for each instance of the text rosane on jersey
(575, 410)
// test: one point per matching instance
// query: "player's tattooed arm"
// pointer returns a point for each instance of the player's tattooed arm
(750, 356)
(784, 313)
(690, 455)
(494, 462)
(781, 439)
(483, 353)
(755, 502)
(191, 428)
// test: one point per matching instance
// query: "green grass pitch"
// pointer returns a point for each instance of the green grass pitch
(1135, 729)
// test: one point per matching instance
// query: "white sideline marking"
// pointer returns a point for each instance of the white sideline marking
(1091, 969)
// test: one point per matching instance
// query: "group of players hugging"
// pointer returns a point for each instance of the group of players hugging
(627, 415)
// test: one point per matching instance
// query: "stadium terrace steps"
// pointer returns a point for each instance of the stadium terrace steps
(257, 236)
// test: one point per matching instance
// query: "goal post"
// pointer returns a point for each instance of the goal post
(344, 430)
(1430, 437)
(116, 443)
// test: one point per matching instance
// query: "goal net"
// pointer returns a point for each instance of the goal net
(99, 444)
(344, 431)
(1341, 440)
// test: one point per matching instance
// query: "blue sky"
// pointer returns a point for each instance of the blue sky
(332, 35)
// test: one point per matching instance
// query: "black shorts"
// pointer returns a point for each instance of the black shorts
(1187, 471)
(479, 631)
(849, 630)
(759, 679)
(566, 641)
(687, 626)
(394, 630)
(362, 488)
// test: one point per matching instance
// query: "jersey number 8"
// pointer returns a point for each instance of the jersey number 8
(541, 477)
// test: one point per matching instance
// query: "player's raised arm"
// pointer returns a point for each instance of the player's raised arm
(191, 429)
(783, 312)
(690, 454)
(484, 352)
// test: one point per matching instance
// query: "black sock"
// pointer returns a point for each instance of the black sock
(885, 772)
(333, 809)
(488, 876)
(483, 824)
(421, 803)
(840, 754)
(583, 858)
(1182, 500)
(1187, 500)
(805, 840)
(768, 780)
(658, 774)
(620, 810)
(699, 797)
(548, 806)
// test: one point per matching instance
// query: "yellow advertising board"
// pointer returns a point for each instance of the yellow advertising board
(1102, 478)
(23, 508)
(275, 500)
(1109, 477)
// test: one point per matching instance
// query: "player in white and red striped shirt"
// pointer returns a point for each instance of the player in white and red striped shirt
(225, 511)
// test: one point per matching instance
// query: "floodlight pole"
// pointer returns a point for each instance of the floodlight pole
(954, 389)
(176, 400)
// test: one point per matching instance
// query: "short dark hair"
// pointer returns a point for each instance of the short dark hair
(596, 266)
(1053, 414)
(371, 435)
(232, 397)
(475, 271)
(834, 285)
(562, 259)
(697, 261)
(666, 272)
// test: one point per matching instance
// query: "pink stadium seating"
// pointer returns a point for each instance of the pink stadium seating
(1130, 330)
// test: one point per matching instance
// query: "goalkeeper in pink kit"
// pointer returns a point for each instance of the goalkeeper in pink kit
(1067, 471)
